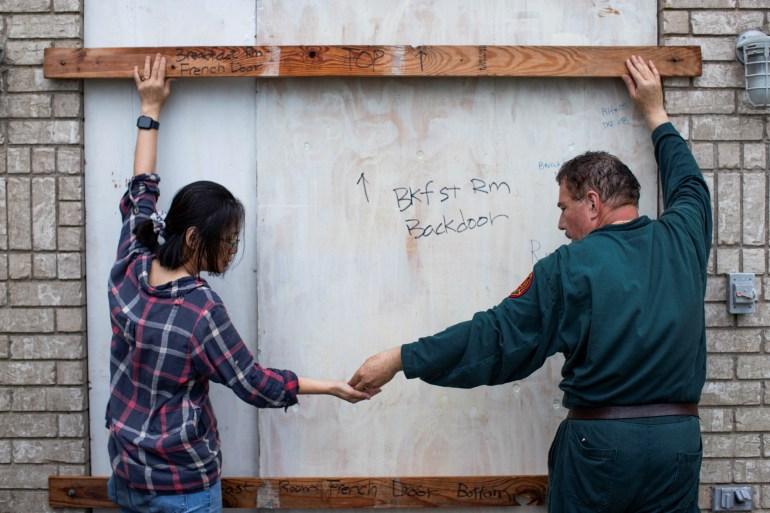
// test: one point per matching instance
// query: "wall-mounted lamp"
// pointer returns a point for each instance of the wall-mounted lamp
(753, 50)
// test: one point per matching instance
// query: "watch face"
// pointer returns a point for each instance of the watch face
(144, 122)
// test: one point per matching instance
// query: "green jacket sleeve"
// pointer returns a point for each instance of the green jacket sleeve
(686, 198)
(502, 344)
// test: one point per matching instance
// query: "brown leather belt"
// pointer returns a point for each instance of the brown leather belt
(633, 412)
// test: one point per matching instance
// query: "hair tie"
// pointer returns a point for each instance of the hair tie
(159, 225)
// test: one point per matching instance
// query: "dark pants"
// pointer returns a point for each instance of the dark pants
(645, 465)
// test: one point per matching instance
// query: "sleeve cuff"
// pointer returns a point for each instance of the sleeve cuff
(662, 130)
(291, 388)
(408, 363)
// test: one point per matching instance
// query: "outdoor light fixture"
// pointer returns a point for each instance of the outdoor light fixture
(753, 50)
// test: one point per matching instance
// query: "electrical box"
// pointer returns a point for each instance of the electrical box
(732, 498)
(743, 294)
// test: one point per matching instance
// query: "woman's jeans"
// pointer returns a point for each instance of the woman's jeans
(137, 501)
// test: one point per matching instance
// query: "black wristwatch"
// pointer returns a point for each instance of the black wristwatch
(147, 123)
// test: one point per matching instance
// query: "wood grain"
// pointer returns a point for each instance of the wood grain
(328, 493)
(372, 61)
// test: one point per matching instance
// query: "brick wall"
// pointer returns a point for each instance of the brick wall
(43, 394)
(729, 139)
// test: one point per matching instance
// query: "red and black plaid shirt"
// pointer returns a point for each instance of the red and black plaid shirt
(167, 343)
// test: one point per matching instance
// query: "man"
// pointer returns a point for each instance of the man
(624, 304)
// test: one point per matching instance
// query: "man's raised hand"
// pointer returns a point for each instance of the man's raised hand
(645, 89)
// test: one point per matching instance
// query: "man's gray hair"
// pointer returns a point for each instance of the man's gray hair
(605, 174)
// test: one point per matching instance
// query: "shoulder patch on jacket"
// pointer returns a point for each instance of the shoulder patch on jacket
(524, 287)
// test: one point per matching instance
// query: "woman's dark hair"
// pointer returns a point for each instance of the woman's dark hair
(214, 213)
(602, 172)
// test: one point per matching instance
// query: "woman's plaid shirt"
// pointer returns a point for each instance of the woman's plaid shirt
(167, 343)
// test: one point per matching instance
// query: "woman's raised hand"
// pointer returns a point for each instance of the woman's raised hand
(152, 85)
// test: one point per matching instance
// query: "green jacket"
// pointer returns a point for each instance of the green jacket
(624, 305)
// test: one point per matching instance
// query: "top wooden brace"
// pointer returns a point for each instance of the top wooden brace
(372, 61)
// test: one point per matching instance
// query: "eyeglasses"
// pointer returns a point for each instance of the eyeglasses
(232, 243)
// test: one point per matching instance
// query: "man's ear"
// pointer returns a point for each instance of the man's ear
(594, 202)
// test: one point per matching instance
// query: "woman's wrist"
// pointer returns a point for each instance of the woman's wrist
(151, 111)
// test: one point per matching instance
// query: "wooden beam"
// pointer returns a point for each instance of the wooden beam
(333, 492)
(372, 61)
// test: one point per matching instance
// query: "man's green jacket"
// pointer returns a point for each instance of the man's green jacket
(624, 305)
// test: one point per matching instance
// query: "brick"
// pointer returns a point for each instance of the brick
(19, 208)
(732, 446)
(5, 454)
(716, 288)
(6, 398)
(65, 399)
(717, 316)
(25, 52)
(3, 294)
(720, 367)
(21, 80)
(704, 154)
(69, 161)
(712, 48)
(44, 213)
(70, 373)
(669, 82)
(44, 25)
(729, 155)
(3, 168)
(66, 5)
(716, 471)
(753, 260)
(754, 209)
(44, 265)
(5, 346)
(29, 399)
(19, 266)
(721, 75)
(3, 267)
(729, 218)
(27, 425)
(72, 425)
(25, 476)
(719, 393)
(27, 320)
(700, 102)
(754, 156)
(752, 471)
(47, 293)
(752, 419)
(699, 4)
(49, 451)
(44, 132)
(3, 215)
(67, 105)
(28, 501)
(18, 160)
(70, 319)
(70, 238)
(71, 213)
(72, 470)
(676, 22)
(28, 105)
(27, 373)
(43, 160)
(47, 347)
(71, 188)
(24, 5)
(725, 23)
(69, 267)
(759, 318)
(755, 4)
(753, 367)
(727, 128)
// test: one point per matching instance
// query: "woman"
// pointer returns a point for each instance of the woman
(172, 334)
